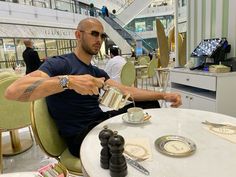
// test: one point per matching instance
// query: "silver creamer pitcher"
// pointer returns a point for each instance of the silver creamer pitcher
(113, 98)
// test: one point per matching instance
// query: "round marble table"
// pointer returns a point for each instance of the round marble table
(214, 156)
(20, 174)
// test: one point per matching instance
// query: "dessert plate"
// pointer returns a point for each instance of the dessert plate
(176, 146)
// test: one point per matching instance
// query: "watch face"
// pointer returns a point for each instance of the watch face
(64, 82)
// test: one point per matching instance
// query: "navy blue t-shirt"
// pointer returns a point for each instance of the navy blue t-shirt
(72, 111)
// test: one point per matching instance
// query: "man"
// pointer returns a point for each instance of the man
(114, 65)
(92, 10)
(31, 57)
(71, 87)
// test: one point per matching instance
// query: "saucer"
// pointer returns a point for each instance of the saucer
(126, 119)
(176, 146)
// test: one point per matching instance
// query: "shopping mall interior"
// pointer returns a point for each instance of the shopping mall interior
(200, 66)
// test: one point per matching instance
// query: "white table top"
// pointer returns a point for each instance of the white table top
(19, 174)
(214, 157)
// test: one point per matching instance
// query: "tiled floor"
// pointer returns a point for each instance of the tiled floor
(31, 160)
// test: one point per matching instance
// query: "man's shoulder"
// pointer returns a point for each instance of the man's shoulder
(118, 59)
(59, 60)
(28, 50)
(62, 57)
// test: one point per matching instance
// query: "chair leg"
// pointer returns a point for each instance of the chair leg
(146, 83)
(153, 84)
(32, 135)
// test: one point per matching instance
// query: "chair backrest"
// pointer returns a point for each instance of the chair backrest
(151, 67)
(127, 75)
(162, 44)
(171, 39)
(45, 130)
(4, 75)
(182, 53)
(143, 60)
(131, 59)
(14, 114)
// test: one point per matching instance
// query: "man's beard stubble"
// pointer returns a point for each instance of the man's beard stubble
(88, 50)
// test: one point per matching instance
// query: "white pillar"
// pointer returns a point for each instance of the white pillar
(176, 34)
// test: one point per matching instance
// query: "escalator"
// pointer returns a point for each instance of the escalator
(115, 36)
(123, 38)
(129, 11)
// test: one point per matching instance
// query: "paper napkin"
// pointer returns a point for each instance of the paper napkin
(223, 132)
(138, 148)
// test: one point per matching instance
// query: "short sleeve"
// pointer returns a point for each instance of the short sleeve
(55, 66)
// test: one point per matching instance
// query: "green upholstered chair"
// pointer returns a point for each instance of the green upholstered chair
(182, 52)
(128, 75)
(131, 59)
(171, 39)
(149, 72)
(152, 69)
(14, 115)
(48, 138)
(4, 75)
(11, 148)
(143, 60)
(162, 44)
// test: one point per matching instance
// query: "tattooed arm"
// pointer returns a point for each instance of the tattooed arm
(33, 86)
(38, 85)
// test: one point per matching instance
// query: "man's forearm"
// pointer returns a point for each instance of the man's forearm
(27, 93)
(137, 94)
(141, 94)
(32, 88)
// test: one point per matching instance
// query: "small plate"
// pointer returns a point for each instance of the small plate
(176, 146)
(126, 119)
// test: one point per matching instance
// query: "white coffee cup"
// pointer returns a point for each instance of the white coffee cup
(135, 114)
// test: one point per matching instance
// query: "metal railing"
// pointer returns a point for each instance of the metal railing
(127, 4)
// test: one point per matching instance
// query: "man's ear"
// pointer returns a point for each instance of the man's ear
(77, 34)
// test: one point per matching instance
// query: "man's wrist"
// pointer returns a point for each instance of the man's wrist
(163, 95)
(64, 81)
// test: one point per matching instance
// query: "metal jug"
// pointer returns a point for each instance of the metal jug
(113, 98)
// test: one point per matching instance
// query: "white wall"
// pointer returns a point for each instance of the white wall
(211, 19)
(156, 11)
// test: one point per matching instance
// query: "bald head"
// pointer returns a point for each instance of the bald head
(28, 42)
(88, 23)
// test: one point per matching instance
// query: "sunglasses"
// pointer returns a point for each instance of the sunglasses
(96, 34)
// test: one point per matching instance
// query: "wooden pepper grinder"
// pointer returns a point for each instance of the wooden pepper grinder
(117, 165)
(105, 154)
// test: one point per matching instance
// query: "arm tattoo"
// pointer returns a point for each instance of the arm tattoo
(28, 91)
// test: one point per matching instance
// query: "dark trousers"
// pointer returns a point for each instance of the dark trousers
(74, 142)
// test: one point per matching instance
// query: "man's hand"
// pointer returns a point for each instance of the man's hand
(86, 84)
(174, 98)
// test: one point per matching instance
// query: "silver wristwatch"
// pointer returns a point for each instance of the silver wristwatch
(64, 81)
